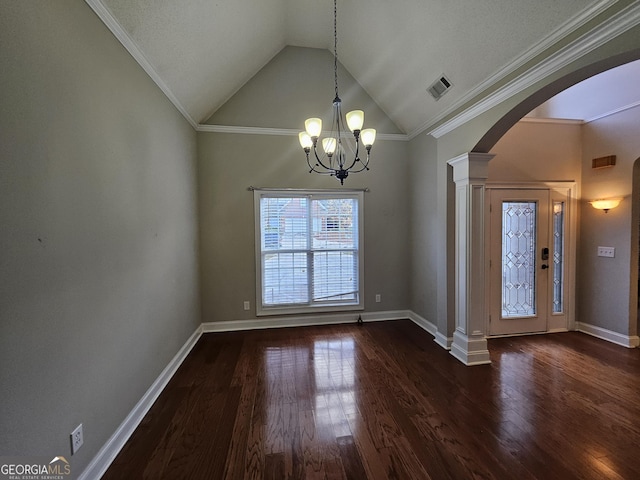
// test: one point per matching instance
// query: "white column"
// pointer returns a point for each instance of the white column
(469, 341)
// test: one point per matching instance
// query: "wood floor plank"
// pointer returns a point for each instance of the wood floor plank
(293, 454)
(384, 401)
(313, 461)
(218, 445)
(170, 441)
(201, 427)
(273, 467)
(350, 457)
(247, 379)
(377, 463)
(138, 451)
(255, 454)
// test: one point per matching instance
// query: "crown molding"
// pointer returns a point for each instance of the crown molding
(570, 121)
(284, 132)
(627, 18)
(555, 121)
(246, 130)
(567, 28)
(128, 43)
(612, 112)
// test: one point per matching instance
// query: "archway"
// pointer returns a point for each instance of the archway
(607, 288)
(468, 328)
(491, 137)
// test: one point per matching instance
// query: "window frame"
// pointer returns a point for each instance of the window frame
(310, 307)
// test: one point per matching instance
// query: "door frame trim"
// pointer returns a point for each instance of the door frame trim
(571, 189)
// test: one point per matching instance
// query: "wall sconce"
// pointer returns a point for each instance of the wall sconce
(606, 204)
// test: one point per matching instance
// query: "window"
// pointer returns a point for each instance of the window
(308, 251)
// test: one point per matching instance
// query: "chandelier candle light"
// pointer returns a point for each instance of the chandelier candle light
(334, 159)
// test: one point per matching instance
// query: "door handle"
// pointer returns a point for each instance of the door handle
(545, 266)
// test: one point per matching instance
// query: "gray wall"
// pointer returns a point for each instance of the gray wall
(604, 284)
(424, 230)
(98, 244)
(230, 163)
(296, 84)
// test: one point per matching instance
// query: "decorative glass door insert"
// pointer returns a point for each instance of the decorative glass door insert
(519, 258)
(558, 256)
(519, 226)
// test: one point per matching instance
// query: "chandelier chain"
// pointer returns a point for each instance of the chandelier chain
(335, 44)
(334, 160)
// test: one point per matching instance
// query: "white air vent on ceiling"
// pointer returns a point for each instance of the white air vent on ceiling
(439, 87)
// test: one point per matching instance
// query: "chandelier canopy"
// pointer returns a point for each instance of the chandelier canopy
(333, 160)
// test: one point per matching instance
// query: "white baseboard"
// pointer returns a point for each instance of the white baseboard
(110, 450)
(529, 334)
(423, 323)
(302, 321)
(608, 335)
(439, 338)
(444, 342)
(558, 330)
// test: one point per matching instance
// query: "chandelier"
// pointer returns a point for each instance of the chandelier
(333, 160)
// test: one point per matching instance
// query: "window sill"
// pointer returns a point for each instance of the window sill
(297, 310)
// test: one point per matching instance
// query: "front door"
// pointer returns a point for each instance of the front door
(526, 260)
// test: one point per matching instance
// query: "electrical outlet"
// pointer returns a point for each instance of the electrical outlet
(77, 439)
(378, 298)
(607, 252)
(247, 305)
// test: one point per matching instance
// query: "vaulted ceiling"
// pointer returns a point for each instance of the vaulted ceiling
(201, 52)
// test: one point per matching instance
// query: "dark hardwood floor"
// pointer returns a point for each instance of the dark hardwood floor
(384, 401)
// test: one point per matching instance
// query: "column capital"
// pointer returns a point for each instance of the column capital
(471, 167)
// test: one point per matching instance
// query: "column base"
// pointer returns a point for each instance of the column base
(470, 351)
